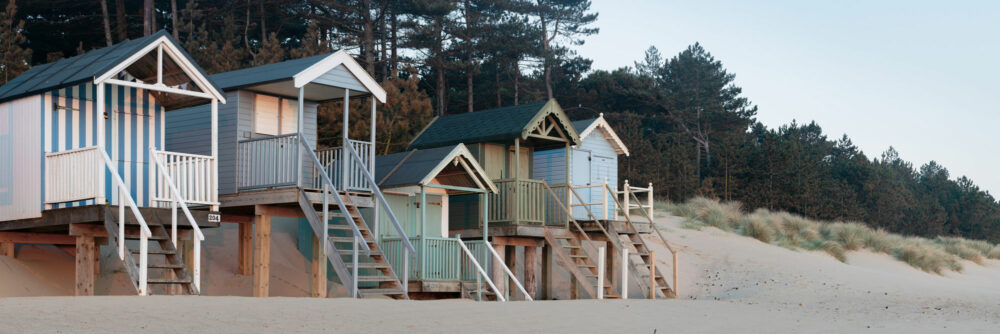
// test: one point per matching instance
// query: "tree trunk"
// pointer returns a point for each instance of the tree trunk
(173, 17)
(147, 18)
(263, 23)
(440, 91)
(383, 49)
(394, 66)
(107, 22)
(120, 25)
(499, 101)
(369, 39)
(517, 79)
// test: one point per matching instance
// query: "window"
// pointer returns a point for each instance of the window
(266, 115)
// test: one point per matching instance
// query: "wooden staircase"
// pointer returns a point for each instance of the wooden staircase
(569, 248)
(639, 253)
(471, 290)
(375, 275)
(166, 267)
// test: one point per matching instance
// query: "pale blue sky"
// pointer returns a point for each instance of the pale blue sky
(921, 76)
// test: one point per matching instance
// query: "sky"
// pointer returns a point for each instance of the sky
(920, 76)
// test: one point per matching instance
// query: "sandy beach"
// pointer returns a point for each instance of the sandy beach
(728, 283)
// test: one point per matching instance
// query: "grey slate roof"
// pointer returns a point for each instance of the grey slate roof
(582, 124)
(413, 170)
(476, 127)
(264, 73)
(79, 69)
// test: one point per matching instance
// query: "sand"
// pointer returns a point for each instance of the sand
(728, 283)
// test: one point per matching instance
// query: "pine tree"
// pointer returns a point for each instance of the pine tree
(14, 59)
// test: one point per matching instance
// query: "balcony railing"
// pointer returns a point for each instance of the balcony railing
(519, 201)
(74, 175)
(272, 162)
(193, 175)
(268, 162)
(438, 259)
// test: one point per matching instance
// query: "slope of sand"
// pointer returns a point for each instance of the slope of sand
(727, 283)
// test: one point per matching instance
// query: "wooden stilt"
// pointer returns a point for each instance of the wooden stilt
(613, 262)
(85, 265)
(511, 259)
(318, 269)
(498, 273)
(531, 271)
(245, 249)
(652, 275)
(7, 249)
(547, 272)
(97, 255)
(262, 256)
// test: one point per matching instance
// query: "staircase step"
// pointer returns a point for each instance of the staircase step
(376, 279)
(368, 265)
(578, 256)
(152, 237)
(380, 291)
(348, 239)
(156, 251)
(360, 252)
(344, 227)
(168, 281)
(166, 265)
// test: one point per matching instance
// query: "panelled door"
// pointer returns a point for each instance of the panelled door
(600, 170)
(581, 171)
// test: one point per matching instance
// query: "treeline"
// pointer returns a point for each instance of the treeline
(689, 128)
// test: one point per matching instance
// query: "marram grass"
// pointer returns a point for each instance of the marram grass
(835, 238)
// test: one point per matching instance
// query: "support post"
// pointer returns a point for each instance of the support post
(600, 272)
(354, 267)
(611, 271)
(625, 205)
(510, 260)
(516, 208)
(624, 267)
(7, 249)
(100, 142)
(652, 275)
(346, 161)
(85, 265)
(531, 271)
(422, 252)
(676, 264)
(498, 274)
(262, 256)
(649, 197)
(245, 246)
(318, 269)
(300, 173)
(215, 153)
(604, 199)
(547, 292)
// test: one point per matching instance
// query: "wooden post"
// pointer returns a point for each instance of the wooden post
(649, 197)
(7, 249)
(652, 275)
(318, 269)
(85, 265)
(547, 272)
(97, 255)
(675, 274)
(511, 259)
(625, 204)
(624, 276)
(531, 271)
(498, 273)
(600, 272)
(262, 256)
(611, 271)
(516, 207)
(245, 249)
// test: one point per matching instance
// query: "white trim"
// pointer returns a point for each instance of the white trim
(461, 151)
(332, 61)
(609, 134)
(181, 61)
(159, 88)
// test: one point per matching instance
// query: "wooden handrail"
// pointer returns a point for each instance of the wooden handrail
(179, 199)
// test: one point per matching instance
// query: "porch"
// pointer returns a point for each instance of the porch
(274, 162)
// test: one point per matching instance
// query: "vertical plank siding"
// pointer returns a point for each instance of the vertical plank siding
(134, 122)
(21, 158)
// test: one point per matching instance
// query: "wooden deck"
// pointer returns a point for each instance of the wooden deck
(244, 202)
(59, 220)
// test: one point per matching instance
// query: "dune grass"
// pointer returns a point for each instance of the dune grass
(835, 238)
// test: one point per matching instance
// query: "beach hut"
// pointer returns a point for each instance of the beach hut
(82, 156)
(270, 166)
(419, 185)
(592, 165)
(526, 212)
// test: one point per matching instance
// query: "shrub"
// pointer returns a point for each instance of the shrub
(835, 250)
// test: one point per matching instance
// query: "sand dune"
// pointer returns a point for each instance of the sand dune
(728, 283)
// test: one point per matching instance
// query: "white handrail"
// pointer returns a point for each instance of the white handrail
(482, 272)
(179, 199)
(144, 232)
(378, 195)
(509, 274)
(332, 188)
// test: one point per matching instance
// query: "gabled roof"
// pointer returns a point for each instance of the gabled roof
(89, 66)
(302, 71)
(587, 127)
(421, 167)
(493, 125)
